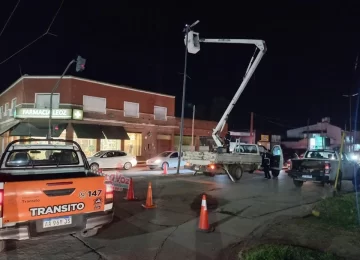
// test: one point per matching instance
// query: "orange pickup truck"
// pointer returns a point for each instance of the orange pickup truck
(48, 188)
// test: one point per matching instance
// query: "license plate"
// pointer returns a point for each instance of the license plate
(307, 176)
(57, 222)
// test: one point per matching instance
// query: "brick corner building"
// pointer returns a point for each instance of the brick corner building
(98, 115)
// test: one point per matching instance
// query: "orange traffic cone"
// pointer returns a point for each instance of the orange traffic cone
(204, 220)
(165, 168)
(130, 192)
(149, 201)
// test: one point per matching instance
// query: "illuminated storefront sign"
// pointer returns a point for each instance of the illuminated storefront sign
(59, 113)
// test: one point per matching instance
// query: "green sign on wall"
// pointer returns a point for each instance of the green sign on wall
(58, 113)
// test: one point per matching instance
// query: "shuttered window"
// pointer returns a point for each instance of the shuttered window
(94, 104)
(160, 113)
(43, 100)
(131, 109)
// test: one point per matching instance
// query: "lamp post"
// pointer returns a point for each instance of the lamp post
(350, 117)
(186, 31)
(80, 66)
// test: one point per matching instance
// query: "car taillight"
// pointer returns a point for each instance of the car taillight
(109, 193)
(212, 166)
(1, 202)
(327, 168)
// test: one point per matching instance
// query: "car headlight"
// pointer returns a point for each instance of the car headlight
(354, 157)
(158, 161)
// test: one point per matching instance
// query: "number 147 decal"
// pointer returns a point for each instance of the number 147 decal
(94, 193)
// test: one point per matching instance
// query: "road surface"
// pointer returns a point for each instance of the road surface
(170, 231)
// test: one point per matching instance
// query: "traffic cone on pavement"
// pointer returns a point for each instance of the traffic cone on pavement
(130, 192)
(149, 201)
(204, 219)
(165, 168)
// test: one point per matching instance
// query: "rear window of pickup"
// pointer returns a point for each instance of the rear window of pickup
(41, 157)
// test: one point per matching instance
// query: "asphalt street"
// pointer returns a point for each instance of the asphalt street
(236, 210)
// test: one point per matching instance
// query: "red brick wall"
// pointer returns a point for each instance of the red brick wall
(72, 90)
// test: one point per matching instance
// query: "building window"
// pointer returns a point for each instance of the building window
(160, 113)
(110, 144)
(43, 100)
(13, 103)
(87, 145)
(131, 109)
(133, 146)
(94, 104)
(6, 111)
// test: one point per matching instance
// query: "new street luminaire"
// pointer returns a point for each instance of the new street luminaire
(187, 38)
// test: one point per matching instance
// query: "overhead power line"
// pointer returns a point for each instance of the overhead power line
(38, 38)
(8, 20)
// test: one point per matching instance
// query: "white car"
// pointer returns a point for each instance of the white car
(113, 159)
(169, 158)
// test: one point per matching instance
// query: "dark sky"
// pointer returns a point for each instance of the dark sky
(312, 48)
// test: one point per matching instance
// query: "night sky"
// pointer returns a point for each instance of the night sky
(310, 63)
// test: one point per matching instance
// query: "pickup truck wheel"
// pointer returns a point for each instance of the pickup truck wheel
(275, 173)
(94, 167)
(236, 172)
(298, 183)
(88, 233)
(127, 166)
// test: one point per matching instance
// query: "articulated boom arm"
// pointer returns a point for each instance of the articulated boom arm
(260, 44)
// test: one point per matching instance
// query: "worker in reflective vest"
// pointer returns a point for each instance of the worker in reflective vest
(227, 140)
(266, 164)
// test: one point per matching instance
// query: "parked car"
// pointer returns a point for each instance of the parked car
(169, 158)
(113, 159)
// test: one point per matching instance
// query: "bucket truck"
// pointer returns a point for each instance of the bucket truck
(244, 157)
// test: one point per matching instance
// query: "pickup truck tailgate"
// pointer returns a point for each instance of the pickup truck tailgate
(31, 200)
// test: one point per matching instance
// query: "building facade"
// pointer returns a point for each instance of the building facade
(99, 116)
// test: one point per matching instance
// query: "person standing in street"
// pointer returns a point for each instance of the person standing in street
(227, 140)
(266, 165)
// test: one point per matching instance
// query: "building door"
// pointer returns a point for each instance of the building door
(163, 145)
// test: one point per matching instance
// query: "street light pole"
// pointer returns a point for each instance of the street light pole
(51, 96)
(350, 116)
(186, 30)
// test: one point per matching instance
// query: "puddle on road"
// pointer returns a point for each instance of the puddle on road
(212, 202)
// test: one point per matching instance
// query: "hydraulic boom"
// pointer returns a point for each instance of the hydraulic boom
(260, 44)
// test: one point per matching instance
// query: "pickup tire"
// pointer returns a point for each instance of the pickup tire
(88, 233)
(275, 173)
(298, 184)
(236, 171)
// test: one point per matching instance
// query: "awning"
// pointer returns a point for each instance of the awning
(92, 131)
(39, 129)
(7, 126)
(114, 132)
(88, 131)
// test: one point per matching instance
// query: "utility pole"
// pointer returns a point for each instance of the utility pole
(350, 96)
(192, 130)
(186, 31)
(252, 128)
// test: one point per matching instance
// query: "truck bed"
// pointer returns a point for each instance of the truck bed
(206, 158)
